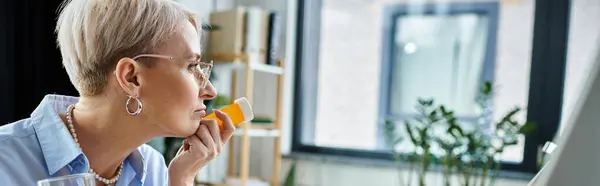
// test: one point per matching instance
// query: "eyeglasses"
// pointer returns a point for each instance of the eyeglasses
(201, 69)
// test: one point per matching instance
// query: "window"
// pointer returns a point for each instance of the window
(363, 62)
(441, 55)
(445, 57)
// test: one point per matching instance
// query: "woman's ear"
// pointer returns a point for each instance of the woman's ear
(126, 72)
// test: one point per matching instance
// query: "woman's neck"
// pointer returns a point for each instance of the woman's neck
(107, 134)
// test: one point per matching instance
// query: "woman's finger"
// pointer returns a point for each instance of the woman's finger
(184, 146)
(228, 127)
(204, 135)
(196, 147)
(213, 128)
(196, 155)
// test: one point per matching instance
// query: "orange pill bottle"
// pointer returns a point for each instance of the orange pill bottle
(239, 111)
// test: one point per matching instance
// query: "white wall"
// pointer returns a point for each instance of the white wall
(583, 38)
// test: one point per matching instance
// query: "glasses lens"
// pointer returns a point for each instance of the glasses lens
(205, 69)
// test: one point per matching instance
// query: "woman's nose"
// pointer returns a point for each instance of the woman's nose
(209, 92)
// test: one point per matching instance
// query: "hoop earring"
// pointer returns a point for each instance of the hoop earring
(139, 106)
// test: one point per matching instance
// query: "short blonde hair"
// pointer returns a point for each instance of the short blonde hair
(94, 34)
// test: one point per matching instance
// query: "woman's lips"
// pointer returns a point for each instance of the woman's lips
(201, 112)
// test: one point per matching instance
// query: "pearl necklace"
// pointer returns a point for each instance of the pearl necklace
(72, 130)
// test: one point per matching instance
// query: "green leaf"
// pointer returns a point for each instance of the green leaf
(527, 128)
(433, 114)
(390, 133)
(486, 89)
(423, 133)
(290, 178)
(425, 102)
(510, 142)
(508, 118)
(456, 129)
(513, 123)
(389, 126)
(443, 110)
(398, 140)
(409, 130)
(512, 113)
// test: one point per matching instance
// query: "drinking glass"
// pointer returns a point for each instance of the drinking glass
(83, 179)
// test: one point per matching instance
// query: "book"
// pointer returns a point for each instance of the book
(257, 26)
(229, 38)
(273, 38)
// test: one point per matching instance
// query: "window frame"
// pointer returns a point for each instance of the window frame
(395, 11)
(547, 75)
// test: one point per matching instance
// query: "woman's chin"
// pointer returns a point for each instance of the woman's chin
(182, 129)
(190, 129)
(182, 132)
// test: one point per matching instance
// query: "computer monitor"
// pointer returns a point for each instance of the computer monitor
(576, 159)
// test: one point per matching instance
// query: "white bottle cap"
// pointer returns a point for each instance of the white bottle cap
(246, 108)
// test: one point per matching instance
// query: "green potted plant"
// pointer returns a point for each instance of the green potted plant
(465, 149)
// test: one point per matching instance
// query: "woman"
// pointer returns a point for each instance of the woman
(135, 64)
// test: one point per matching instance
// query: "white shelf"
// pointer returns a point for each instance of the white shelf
(271, 69)
(258, 132)
(259, 67)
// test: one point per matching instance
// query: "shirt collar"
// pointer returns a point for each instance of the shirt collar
(58, 147)
(136, 161)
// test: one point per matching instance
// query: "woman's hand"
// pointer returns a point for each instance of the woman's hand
(197, 150)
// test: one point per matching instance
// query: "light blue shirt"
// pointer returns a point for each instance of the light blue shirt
(40, 147)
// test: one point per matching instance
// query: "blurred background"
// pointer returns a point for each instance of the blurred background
(361, 92)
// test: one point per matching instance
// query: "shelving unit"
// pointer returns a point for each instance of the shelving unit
(248, 130)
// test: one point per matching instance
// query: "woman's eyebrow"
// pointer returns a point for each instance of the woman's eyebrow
(197, 56)
(193, 56)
